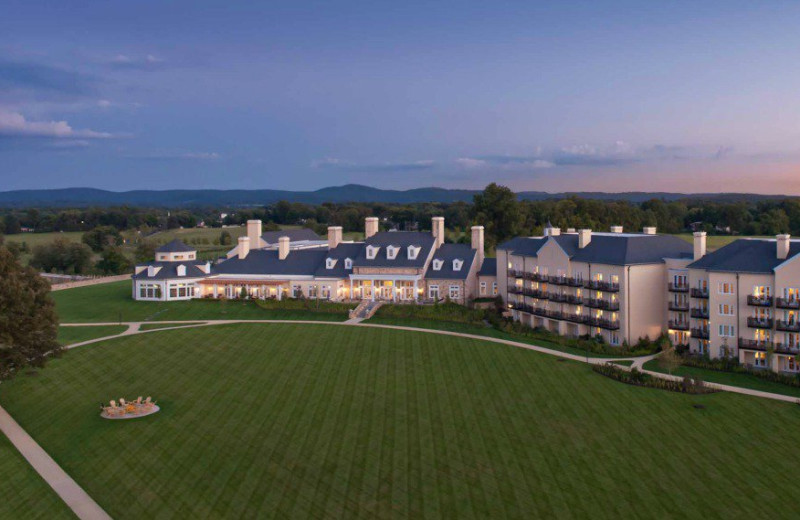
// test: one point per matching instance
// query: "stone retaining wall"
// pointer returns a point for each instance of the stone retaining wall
(93, 281)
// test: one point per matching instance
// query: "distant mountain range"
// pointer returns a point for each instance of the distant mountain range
(78, 197)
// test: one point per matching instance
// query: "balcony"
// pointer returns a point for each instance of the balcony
(536, 293)
(700, 333)
(753, 344)
(699, 292)
(565, 298)
(557, 280)
(785, 348)
(513, 289)
(678, 306)
(603, 323)
(759, 323)
(759, 301)
(787, 303)
(521, 307)
(787, 326)
(678, 287)
(605, 305)
(700, 313)
(514, 273)
(678, 325)
(599, 285)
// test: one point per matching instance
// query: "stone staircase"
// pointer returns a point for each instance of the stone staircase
(365, 310)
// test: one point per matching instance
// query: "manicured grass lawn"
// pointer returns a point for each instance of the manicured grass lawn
(112, 302)
(23, 494)
(70, 335)
(481, 331)
(714, 242)
(729, 378)
(154, 326)
(299, 421)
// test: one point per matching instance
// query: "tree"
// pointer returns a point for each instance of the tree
(145, 251)
(225, 238)
(113, 261)
(498, 210)
(62, 256)
(12, 225)
(669, 360)
(101, 237)
(28, 323)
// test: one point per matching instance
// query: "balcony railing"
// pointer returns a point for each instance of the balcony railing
(566, 298)
(678, 287)
(700, 313)
(513, 289)
(535, 293)
(678, 325)
(603, 323)
(759, 301)
(700, 333)
(599, 285)
(787, 303)
(606, 305)
(787, 326)
(759, 323)
(699, 292)
(754, 344)
(678, 306)
(785, 348)
(522, 307)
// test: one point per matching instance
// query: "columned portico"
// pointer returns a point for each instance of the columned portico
(385, 287)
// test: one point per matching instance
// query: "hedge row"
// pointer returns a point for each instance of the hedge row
(637, 378)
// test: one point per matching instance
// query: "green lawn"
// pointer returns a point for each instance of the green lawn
(112, 302)
(23, 494)
(714, 242)
(70, 335)
(310, 421)
(154, 326)
(729, 378)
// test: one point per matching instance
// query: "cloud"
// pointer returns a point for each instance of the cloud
(36, 80)
(147, 62)
(14, 124)
(330, 163)
(504, 161)
(178, 156)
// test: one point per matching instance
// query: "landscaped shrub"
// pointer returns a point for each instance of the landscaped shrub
(637, 378)
(732, 365)
(447, 311)
(301, 304)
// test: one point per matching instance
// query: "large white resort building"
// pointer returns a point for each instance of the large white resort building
(742, 300)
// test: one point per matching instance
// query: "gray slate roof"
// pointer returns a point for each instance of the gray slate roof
(489, 267)
(401, 239)
(340, 253)
(745, 256)
(609, 248)
(295, 235)
(176, 246)
(448, 253)
(266, 262)
(169, 270)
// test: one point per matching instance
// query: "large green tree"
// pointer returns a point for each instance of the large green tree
(28, 322)
(101, 237)
(497, 209)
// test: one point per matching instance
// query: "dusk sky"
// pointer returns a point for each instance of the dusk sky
(600, 96)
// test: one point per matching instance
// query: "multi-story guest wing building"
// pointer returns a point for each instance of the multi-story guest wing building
(583, 283)
(744, 301)
(392, 266)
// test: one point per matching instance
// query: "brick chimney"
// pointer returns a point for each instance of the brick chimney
(477, 243)
(244, 247)
(254, 233)
(283, 248)
(699, 244)
(584, 237)
(649, 230)
(370, 226)
(334, 236)
(616, 229)
(783, 244)
(437, 228)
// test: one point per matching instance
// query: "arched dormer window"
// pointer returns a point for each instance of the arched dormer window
(413, 251)
(437, 265)
(391, 252)
(181, 270)
(330, 263)
(457, 263)
(348, 263)
(372, 252)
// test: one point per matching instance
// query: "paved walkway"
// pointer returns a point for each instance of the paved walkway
(70, 492)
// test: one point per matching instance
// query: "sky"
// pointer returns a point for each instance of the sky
(557, 96)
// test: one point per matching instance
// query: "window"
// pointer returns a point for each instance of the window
(726, 309)
(391, 252)
(760, 359)
(181, 270)
(372, 252)
(433, 292)
(326, 292)
(437, 265)
(494, 288)
(762, 291)
(297, 291)
(614, 279)
(455, 292)
(348, 263)
(330, 263)
(727, 331)
(483, 288)
(725, 288)
(614, 340)
(457, 263)
(149, 290)
(312, 291)
(413, 251)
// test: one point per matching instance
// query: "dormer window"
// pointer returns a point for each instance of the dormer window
(181, 270)
(391, 252)
(437, 265)
(413, 251)
(372, 252)
(457, 263)
(348, 263)
(330, 263)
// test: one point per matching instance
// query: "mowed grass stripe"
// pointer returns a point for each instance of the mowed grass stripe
(318, 421)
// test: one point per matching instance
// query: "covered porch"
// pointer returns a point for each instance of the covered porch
(386, 288)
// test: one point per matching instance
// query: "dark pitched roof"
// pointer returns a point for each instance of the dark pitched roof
(169, 270)
(401, 239)
(609, 248)
(295, 235)
(266, 262)
(447, 253)
(176, 246)
(340, 253)
(489, 267)
(745, 256)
